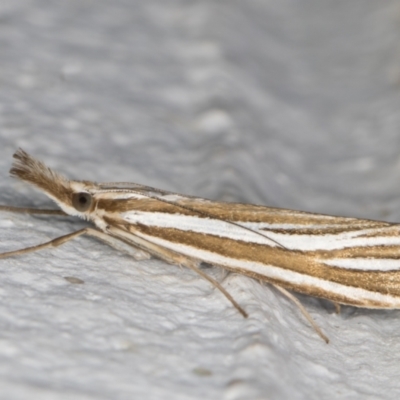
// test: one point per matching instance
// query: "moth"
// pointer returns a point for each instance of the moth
(345, 260)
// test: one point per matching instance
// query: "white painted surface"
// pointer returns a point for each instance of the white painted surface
(284, 103)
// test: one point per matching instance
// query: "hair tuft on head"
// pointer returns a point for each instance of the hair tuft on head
(33, 171)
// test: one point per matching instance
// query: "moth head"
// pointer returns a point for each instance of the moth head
(73, 197)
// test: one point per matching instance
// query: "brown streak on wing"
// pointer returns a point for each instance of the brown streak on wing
(308, 263)
(238, 212)
(372, 252)
(317, 291)
(333, 229)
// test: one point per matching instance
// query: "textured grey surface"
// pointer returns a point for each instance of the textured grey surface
(285, 103)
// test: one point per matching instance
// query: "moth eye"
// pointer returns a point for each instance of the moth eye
(81, 201)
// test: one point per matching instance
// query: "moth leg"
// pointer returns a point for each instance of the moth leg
(117, 244)
(31, 210)
(192, 265)
(120, 245)
(171, 257)
(337, 307)
(52, 243)
(303, 311)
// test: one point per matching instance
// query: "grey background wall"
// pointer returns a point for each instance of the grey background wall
(285, 103)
